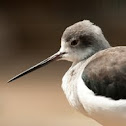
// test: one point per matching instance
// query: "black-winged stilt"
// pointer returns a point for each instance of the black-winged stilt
(95, 84)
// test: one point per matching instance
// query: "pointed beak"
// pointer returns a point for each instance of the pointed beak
(54, 57)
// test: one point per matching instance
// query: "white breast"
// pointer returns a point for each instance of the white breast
(69, 85)
(104, 110)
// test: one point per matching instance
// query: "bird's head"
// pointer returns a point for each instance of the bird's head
(78, 42)
(82, 40)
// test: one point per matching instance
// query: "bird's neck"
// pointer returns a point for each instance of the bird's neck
(69, 85)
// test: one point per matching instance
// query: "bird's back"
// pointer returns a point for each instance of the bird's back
(105, 74)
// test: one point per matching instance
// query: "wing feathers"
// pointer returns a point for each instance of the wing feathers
(105, 74)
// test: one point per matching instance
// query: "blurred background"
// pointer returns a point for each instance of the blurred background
(29, 32)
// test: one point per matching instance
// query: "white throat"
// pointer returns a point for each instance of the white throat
(69, 84)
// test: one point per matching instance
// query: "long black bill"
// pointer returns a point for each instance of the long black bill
(54, 57)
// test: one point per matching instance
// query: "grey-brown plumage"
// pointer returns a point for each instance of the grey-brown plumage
(105, 74)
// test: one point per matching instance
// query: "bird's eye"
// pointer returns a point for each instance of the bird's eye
(74, 42)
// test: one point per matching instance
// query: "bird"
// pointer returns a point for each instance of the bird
(95, 83)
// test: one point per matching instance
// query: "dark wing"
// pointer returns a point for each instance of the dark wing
(105, 74)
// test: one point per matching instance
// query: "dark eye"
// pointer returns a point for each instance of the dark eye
(74, 42)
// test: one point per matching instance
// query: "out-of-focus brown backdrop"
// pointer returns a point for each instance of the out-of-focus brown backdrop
(31, 31)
